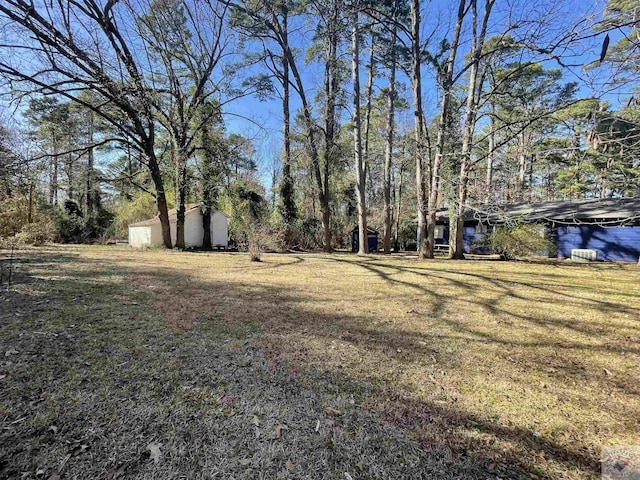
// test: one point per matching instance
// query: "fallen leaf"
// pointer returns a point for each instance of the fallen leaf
(255, 420)
(349, 477)
(278, 430)
(290, 466)
(318, 426)
(55, 475)
(607, 372)
(13, 351)
(332, 411)
(53, 429)
(156, 454)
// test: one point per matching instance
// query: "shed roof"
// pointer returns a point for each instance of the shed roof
(173, 216)
(563, 211)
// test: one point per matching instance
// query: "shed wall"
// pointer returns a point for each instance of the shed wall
(219, 230)
(151, 235)
(193, 229)
(139, 236)
(612, 243)
(156, 235)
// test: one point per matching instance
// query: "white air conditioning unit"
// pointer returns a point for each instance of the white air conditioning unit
(583, 255)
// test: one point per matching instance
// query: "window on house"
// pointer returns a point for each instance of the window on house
(439, 233)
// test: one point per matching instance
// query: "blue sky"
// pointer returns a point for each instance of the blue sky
(266, 117)
(261, 120)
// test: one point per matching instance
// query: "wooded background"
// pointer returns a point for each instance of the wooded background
(117, 111)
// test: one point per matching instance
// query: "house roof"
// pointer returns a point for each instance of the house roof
(563, 211)
(369, 230)
(173, 216)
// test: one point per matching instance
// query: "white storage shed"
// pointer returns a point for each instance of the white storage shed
(148, 233)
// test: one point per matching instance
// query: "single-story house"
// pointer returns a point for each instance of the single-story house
(148, 233)
(372, 239)
(611, 226)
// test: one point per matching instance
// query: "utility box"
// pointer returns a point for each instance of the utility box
(584, 255)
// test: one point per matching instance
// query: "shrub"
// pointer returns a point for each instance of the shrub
(309, 233)
(70, 223)
(99, 226)
(38, 233)
(261, 239)
(518, 241)
(245, 202)
(14, 224)
(13, 216)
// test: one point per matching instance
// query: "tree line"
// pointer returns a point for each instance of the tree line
(391, 111)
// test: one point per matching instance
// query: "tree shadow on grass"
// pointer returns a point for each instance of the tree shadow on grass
(505, 289)
(92, 385)
(205, 362)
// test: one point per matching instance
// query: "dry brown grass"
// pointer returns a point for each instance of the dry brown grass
(530, 366)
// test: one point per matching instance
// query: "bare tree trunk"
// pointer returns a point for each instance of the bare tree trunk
(206, 225)
(369, 96)
(331, 90)
(70, 189)
(53, 173)
(386, 240)
(55, 179)
(181, 199)
(443, 127)
(491, 155)
(89, 177)
(51, 181)
(207, 200)
(286, 187)
(161, 202)
(323, 195)
(416, 83)
(456, 248)
(30, 212)
(363, 243)
(161, 198)
(399, 207)
(522, 166)
(371, 68)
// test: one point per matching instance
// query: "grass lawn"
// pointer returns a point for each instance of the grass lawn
(117, 363)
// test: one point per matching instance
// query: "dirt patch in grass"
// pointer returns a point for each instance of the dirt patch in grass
(438, 369)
